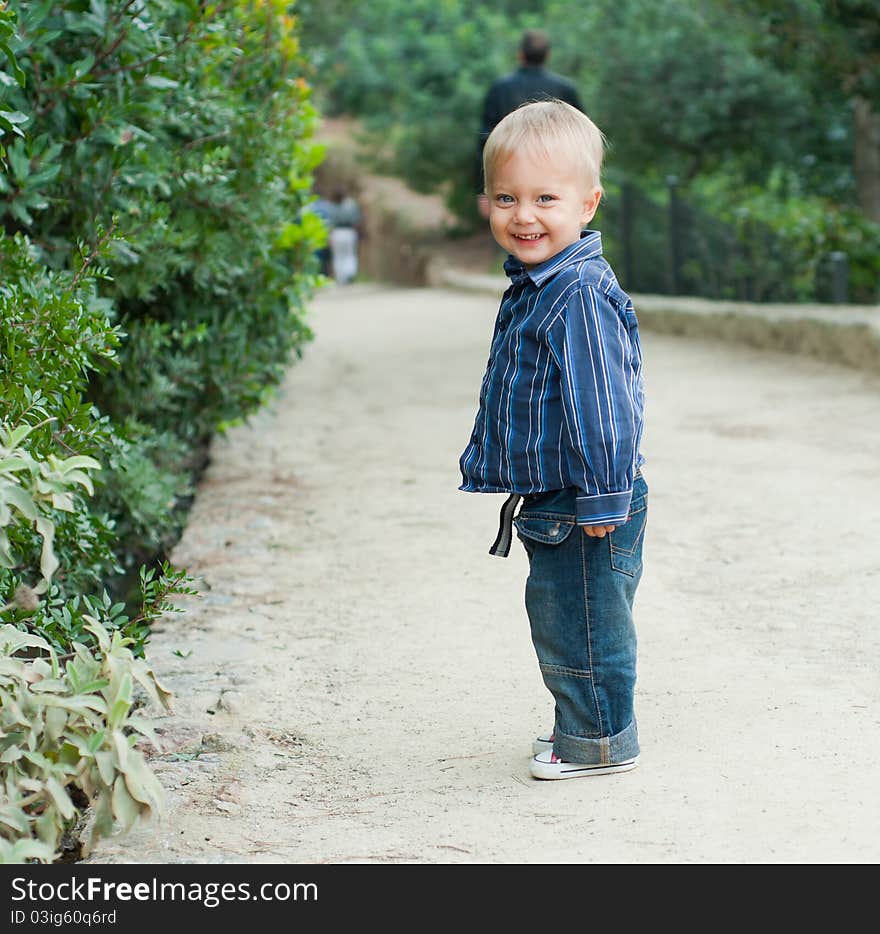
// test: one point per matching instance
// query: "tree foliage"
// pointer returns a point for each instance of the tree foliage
(724, 96)
(675, 86)
(833, 47)
(416, 72)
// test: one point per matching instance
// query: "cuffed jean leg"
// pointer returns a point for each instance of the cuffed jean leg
(579, 599)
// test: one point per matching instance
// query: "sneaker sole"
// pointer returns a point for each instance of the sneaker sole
(556, 770)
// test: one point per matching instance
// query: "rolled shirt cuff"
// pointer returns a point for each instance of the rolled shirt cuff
(603, 509)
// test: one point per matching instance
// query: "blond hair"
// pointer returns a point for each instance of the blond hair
(546, 129)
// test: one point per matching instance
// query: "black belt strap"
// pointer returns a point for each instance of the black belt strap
(501, 546)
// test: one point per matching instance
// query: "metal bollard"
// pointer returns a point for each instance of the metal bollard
(674, 234)
(627, 200)
(839, 278)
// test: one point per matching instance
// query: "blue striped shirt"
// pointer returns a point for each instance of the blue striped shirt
(561, 400)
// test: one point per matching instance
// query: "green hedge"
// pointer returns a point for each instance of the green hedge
(166, 147)
(155, 262)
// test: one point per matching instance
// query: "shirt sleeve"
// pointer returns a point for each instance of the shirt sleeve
(601, 398)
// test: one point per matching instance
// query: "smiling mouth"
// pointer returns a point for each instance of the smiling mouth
(531, 237)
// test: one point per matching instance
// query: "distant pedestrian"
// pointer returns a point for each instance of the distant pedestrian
(324, 208)
(345, 237)
(530, 82)
(559, 426)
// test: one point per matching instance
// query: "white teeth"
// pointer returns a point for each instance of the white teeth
(529, 236)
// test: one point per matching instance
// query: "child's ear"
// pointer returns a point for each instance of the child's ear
(591, 205)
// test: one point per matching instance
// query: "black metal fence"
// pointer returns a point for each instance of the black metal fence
(672, 247)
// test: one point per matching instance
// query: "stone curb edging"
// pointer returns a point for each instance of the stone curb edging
(847, 335)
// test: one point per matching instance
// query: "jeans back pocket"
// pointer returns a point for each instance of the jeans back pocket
(626, 540)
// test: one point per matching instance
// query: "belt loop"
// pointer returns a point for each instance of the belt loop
(501, 546)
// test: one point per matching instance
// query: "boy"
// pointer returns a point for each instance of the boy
(559, 425)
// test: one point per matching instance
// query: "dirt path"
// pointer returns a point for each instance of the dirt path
(358, 682)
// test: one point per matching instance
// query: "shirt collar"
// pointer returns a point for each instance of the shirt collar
(589, 245)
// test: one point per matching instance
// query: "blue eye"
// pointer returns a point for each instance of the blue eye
(546, 198)
(504, 199)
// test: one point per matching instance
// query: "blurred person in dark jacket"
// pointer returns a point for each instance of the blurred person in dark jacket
(531, 81)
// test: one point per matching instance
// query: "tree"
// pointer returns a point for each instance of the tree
(834, 48)
(677, 87)
(765, 110)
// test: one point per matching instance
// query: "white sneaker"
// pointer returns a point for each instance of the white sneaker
(543, 743)
(547, 765)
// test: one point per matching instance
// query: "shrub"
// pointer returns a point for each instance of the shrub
(67, 741)
(54, 332)
(169, 143)
(786, 237)
(67, 731)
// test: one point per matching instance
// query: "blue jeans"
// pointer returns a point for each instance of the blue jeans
(579, 599)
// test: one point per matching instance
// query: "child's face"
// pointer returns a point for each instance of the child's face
(537, 208)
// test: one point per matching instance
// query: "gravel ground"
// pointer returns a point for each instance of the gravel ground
(357, 684)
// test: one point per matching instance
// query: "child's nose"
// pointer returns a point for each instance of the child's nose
(525, 213)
